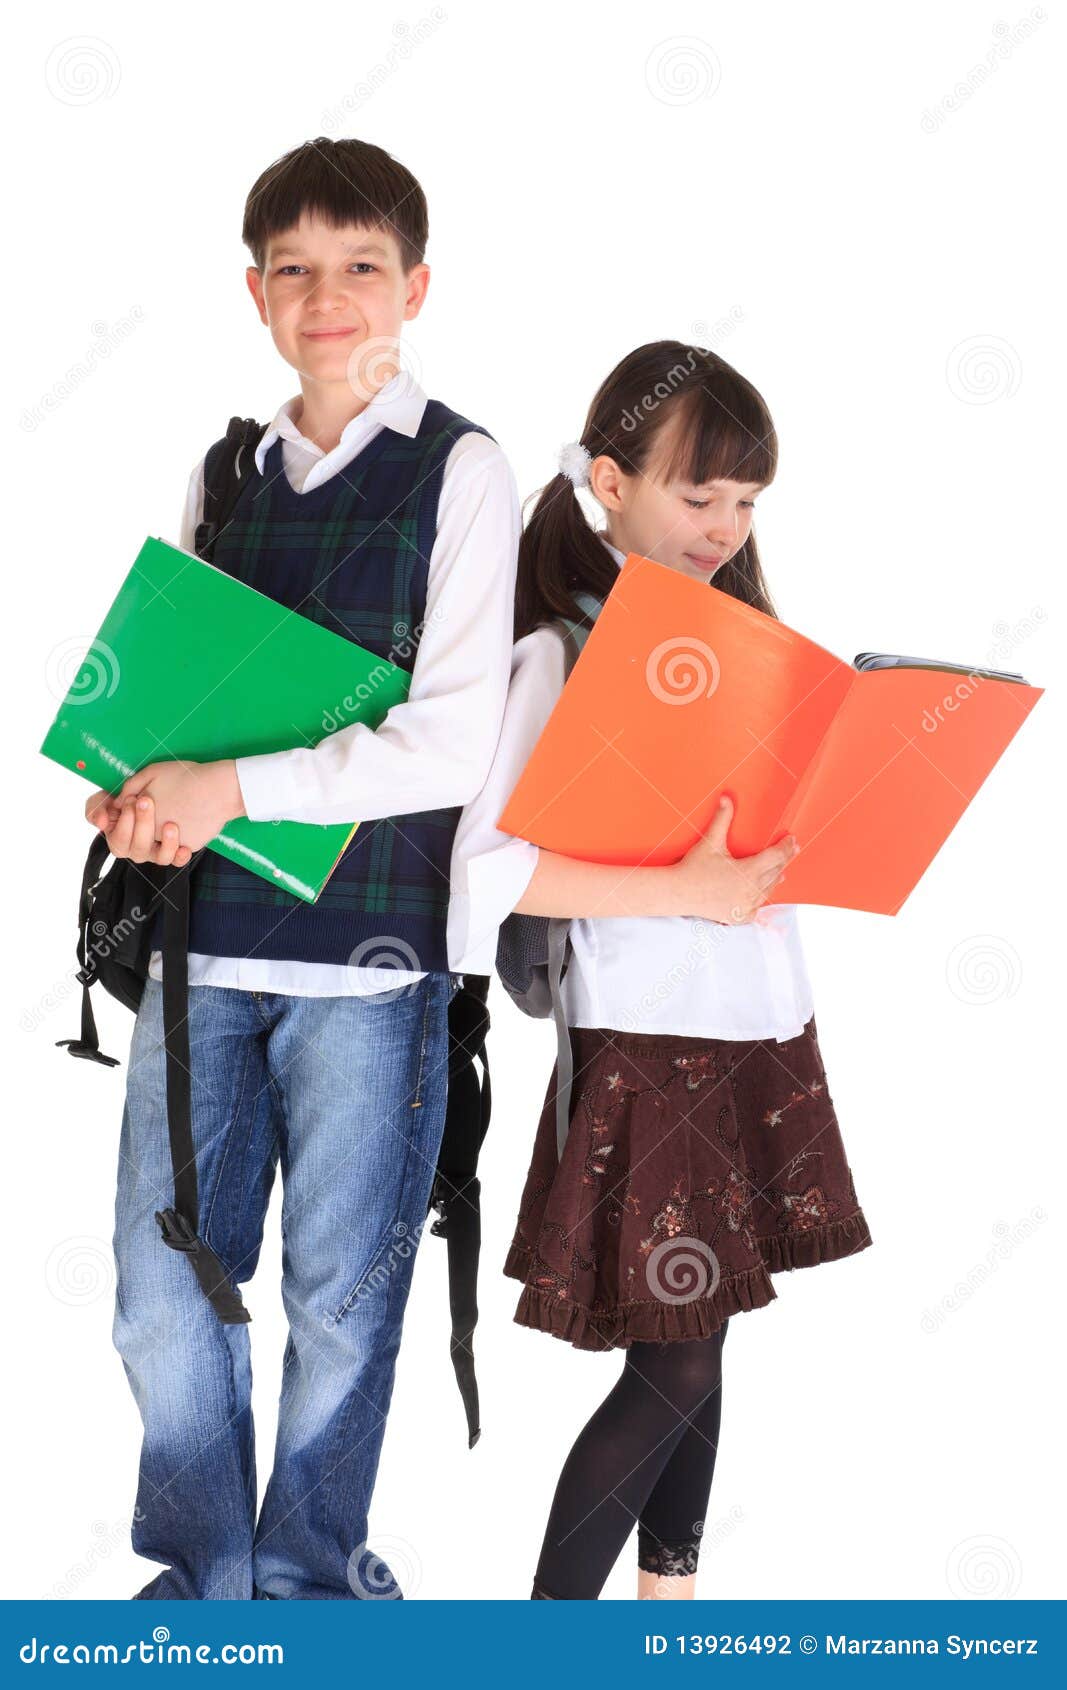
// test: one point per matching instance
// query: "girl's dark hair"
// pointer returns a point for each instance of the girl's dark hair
(720, 429)
(342, 182)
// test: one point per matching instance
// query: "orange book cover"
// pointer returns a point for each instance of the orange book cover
(682, 693)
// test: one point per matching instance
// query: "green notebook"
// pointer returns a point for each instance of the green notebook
(190, 663)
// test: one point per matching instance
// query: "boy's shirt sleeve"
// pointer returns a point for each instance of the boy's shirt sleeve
(435, 749)
(491, 870)
(193, 509)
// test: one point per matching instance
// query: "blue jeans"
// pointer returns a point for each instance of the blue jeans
(349, 1093)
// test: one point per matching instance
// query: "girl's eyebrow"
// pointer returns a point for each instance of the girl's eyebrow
(754, 486)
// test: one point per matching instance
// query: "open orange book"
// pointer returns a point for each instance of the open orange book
(682, 693)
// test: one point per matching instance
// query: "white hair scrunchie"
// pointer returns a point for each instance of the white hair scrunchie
(574, 461)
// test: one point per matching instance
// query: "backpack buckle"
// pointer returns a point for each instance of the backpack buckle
(176, 1231)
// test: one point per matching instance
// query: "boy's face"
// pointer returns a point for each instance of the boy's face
(335, 300)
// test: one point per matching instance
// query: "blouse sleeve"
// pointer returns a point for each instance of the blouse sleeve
(490, 869)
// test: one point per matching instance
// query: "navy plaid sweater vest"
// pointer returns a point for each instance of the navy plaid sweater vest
(351, 554)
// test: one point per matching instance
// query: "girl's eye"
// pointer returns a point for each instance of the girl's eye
(699, 504)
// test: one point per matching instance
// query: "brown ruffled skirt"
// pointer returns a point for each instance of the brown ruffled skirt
(693, 1170)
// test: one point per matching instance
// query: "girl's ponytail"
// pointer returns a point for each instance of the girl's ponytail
(559, 555)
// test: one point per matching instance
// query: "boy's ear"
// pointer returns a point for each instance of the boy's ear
(418, 280)
(255, 288)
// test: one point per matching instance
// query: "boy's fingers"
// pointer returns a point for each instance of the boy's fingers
(181, 856)
(167, 848)
(120, 835)
(97, 809)
(144, 830)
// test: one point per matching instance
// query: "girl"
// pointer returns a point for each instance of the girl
(703, 1152)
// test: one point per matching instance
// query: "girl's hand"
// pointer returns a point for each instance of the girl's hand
(130, 826)
(723, 888)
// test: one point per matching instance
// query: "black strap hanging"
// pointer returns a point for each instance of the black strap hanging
(179, 1224)
(456, 1193)
(87, 1044)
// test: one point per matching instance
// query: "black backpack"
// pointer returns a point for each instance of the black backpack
(116, 915)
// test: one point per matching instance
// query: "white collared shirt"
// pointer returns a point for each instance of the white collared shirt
(657, 974)
(435, 749)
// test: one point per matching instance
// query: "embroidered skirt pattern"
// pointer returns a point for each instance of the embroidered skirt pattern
(694, 1169)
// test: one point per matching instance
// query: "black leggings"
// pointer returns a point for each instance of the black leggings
(647, 1454)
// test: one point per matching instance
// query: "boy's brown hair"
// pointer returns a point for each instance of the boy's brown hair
(343, 182)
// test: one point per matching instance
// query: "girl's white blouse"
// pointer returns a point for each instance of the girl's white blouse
(657, 974)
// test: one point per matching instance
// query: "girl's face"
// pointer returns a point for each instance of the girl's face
(688, 528)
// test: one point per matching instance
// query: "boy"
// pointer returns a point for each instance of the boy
(318, 1033)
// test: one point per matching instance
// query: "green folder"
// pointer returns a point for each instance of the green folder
(190, 663)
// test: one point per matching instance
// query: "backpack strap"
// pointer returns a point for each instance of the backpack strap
(558, 939)
(87, 1044)
(180, 1223)
(226, 470)
(574, 634)
(456, 1193)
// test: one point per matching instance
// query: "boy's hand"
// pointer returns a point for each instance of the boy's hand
(131, 831)
(201, 797)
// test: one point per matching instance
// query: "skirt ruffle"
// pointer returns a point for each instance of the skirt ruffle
(693, 1171)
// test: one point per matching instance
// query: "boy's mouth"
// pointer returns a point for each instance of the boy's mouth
(327, 334)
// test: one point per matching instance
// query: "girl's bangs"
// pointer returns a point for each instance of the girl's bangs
(720, 431)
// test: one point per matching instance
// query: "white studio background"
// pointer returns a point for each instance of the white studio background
(859, 213)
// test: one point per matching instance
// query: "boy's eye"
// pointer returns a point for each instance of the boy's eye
(359, 264)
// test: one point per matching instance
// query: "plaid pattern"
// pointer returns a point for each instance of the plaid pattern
(353, 555)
